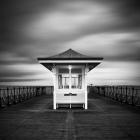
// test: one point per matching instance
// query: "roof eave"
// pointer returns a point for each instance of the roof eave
(69, 61)
(57, 59)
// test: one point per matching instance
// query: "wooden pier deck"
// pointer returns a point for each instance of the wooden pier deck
(105, 119)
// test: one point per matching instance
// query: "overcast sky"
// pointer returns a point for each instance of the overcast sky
(41, 28)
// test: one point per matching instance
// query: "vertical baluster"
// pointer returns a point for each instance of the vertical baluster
(126, 94)
(0, 98)
(8, 96)
(121, 94)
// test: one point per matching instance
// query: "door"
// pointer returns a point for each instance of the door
(76, 79)
(70, 88)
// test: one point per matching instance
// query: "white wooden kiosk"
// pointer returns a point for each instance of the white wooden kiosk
(70, 70)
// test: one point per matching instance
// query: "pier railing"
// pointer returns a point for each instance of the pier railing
(13, 95)
(123, 94)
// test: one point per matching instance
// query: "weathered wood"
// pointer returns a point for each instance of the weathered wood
(123, 94)
(36, 120)
(13, 94)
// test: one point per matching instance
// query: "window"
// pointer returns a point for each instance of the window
(63, 78)
(71, 77)
(63, 81)
(76, 78)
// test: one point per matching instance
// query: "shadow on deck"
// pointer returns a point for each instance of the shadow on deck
(105, 119)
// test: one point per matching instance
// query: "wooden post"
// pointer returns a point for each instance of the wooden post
(86, 105)
(85, 76)
(54, 92)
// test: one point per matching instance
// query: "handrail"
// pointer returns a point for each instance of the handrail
(13, 94)
(123, 94)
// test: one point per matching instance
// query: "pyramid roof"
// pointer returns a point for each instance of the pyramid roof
(70, 57)
(70, 54)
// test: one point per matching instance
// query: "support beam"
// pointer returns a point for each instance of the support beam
(54, 92)
(86, 95)
(86, 100)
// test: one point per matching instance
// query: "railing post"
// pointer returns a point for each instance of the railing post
(0, 98)
(8, 97)
(126, 94)
(14, 96)
(121, 90)
(132, 95)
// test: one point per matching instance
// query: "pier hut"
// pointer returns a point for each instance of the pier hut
(70, 70)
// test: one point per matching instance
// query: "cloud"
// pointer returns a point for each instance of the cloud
(63, 21)
(115, 73)
(106, 28)
(112, 46)
(24, 71)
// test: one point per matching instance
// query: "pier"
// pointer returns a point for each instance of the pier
(105, 119)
